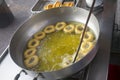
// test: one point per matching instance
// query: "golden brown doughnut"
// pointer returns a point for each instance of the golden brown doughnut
(67, 60)
(68, 4)
(60, 25)
(69, 28)
(30, 52)
(57, 4)
(49, 29)
(31, 61)
(79, 29)
(33, 43)
(39, 35)
(88, 36)
(86, 47)
(48, 6)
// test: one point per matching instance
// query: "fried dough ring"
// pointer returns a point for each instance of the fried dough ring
(69, 28)
(39, 35)
(49, 29)
(88, 36)
(86, 47)
(48, 6)
(60, 25)
(68, 4)
(67, 60)
(57, 4)
(79, 29)
(32, 61)
(30, 52)
(33, 43)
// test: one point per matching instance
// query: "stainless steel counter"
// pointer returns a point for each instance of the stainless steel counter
(21, 11)
(98, 68)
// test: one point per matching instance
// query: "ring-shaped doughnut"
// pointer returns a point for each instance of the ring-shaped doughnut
(69, 28)
(49, 29)
(30, 52)
(49, 6)
(86, 47)
(57, 4)
(32, 61)
(79, 29)
(60, 25)
(89, 36)
(39, 35)
(68, 4)
(33, 43)
(67, 60)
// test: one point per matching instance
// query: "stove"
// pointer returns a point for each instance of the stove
(96, 70)
(12, 70)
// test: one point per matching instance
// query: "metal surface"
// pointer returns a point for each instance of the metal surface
(39, 6)
(98, 69)
(22, 11)
(40, 21)
(83, 34)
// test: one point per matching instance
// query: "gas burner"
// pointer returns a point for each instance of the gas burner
(18, 75)
(81, 75)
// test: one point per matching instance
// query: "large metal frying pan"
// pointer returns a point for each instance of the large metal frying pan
(42, 19)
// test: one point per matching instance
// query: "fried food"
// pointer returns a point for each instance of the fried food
(69, 28)
(79, 29)
(48, 6)
(60, 25)
(86, 47)
(57, 4)
(49, 29)
(31, 61)
(67, 60)
(56, 46)
(30, 52)
(68, 4)
(88, 36)
(33, 43)
(39, 35)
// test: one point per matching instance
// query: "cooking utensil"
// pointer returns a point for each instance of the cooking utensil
(88, 18)
(38, 22)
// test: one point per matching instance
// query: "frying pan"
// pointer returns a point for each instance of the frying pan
(42, 19)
